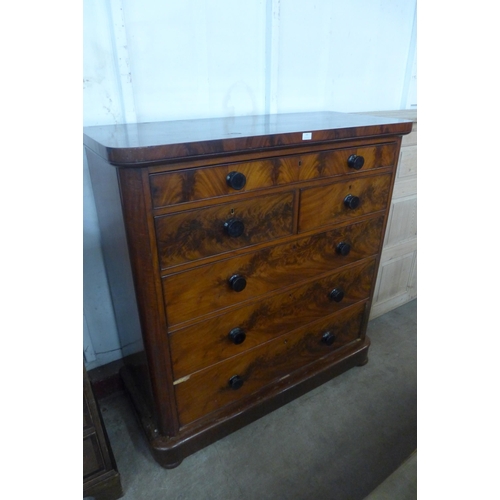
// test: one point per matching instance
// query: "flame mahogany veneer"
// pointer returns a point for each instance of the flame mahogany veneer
(241, 255)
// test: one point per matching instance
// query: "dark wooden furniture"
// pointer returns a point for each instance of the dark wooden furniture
(101, 479)
(253, 244)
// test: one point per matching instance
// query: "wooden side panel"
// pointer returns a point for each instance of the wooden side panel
(394, 277)
(402, 223)
(116, 253)
(408, 162)
(396, 281)
(208, 390)
(149, 296)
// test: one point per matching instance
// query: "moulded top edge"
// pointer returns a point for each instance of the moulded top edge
(139, 143)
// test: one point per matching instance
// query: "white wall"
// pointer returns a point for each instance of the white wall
(159, 60)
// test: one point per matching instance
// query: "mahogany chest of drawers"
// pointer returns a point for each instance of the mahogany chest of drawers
(241, 255)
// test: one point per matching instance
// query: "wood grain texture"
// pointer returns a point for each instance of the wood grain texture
(205, 289)
(149, 298)
(321, 206)
(194, 234)
(396, 281)
(210, 182)
(170, 451)
(208, 390)
(175, 200)
(329, 164)
(143, 143)
(208, 342)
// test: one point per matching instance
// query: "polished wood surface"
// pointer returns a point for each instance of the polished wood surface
(169, 452)
(209, 389)
(253, 273)
(205, 289)
(322, 205)
(194, 234)
(131, 144)
(208, 342)
(210, 182)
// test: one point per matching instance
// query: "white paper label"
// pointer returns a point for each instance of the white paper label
(307, 136)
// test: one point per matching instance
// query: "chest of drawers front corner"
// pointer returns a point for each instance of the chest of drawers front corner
(247, 250)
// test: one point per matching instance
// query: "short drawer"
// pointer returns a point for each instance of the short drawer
(195, 234)
(199, 346)
(243, 375)
(347, 161)
(211, 287)
(334, 203)
(200, 183)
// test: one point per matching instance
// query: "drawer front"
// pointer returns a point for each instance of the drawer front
(207, 390)
(199, 291)
(324, 205)
(194, 234)
(194, 184)
(332, 163)
(201, 345)
(211, 182)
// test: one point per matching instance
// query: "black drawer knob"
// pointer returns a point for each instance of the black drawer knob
(235, 382)
(237, 282)
(337, 294)
(234, 227)
(236, 180)
(343, 248)
(328, 338)
(351, 201)
(355, 161)
(237, 335)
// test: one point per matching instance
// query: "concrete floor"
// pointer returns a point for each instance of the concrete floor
(338, 442)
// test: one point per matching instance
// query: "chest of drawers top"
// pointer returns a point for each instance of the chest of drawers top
(141, 143)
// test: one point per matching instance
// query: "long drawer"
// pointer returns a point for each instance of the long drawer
(194, 234)
(203, 344)
(211, 182)
(208, 288)
(207, 390)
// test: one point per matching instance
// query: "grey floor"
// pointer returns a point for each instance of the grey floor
(354, 437)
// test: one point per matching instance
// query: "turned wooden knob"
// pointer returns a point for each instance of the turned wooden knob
(343, 248)
(236, 180)
(351, 201)
(328, 338)
(235, 382)
(355, 161)
(234, 227)
(237, 282)
(237, 335)
(337, 294)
